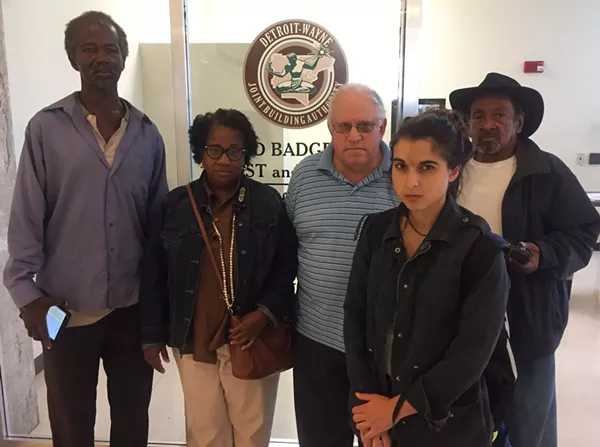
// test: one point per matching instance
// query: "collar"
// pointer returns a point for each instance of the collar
(203, 193)
(73, 107)
(326, 160)
(442, 229)
(530, 159)
(211, 196)
(87, 113)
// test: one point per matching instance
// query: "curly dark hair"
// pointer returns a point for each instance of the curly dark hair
(450, 135)
(93, 18)
(234, 119)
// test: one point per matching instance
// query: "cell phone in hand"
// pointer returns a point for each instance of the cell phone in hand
(56, 320)
(519, 254)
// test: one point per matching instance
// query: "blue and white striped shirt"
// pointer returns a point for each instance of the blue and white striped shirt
(326, 209)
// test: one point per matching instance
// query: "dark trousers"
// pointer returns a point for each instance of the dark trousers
(321, 395)
(71, 371)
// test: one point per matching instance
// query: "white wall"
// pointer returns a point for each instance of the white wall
(462, 40)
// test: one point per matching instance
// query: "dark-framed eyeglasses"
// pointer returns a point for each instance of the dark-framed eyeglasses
(234, 153)
(361, 126)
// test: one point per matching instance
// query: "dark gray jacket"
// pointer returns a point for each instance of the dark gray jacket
(446, 307)
(545, 204)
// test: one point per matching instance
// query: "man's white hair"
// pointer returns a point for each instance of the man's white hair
(359, 88)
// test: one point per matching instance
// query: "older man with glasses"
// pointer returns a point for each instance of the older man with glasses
(328, 195)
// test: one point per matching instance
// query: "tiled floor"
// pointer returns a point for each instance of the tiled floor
(578, 383)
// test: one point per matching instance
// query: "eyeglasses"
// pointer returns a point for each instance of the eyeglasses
(234, 153)
(361, 126)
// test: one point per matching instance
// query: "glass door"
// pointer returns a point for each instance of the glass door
(279, 63)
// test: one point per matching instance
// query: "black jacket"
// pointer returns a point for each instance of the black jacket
(545, 204)
(265, 252)
(446, 308)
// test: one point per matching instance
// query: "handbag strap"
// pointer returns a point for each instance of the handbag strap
(205, 236)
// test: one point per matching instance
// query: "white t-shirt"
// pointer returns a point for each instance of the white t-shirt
(483, 188)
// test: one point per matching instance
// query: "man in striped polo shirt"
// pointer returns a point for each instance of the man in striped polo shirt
(328, 195)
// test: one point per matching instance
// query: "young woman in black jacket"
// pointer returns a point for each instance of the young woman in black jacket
(426, 301)
(187, 305)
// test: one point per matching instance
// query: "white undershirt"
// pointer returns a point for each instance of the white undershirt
(483, 188)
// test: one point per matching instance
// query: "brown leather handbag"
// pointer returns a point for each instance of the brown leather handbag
(271, 352)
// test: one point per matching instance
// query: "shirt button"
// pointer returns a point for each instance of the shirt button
(398, 250)
(405, 286)
(465, 219)
(397, 378)
(416, 368)
(403, 422)
(111, 224)
(400, 335)
(244, 252)
(240, 224)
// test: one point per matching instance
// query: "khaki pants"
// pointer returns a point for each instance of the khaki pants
(222, 411)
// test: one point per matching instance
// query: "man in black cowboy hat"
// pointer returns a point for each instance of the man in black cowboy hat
(530, 197)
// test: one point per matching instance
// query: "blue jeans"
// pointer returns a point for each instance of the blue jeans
(531, 415)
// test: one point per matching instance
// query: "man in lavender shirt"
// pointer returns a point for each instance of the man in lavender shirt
(92, 173)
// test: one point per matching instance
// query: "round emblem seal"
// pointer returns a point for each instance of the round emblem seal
(291, 70)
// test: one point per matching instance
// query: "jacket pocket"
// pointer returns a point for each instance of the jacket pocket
(438, 290)
(469, 397)
(169, 236)
(263, 228)
(264, 239)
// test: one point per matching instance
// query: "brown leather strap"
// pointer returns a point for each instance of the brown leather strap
(204, 236)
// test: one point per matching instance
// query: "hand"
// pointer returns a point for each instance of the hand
(375, 416)
(385, 440)
(532, 265)
(249, 329)
(365, 442)
(34, 317)
(153, 354)
(382, 440)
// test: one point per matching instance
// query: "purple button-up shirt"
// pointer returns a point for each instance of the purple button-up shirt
(78, 226)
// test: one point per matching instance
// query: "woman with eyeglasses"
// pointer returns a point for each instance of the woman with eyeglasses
(426, 301)
(187, 299)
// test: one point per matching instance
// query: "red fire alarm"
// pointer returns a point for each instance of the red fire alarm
(534, 67)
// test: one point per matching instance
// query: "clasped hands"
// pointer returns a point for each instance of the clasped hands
(374, 418)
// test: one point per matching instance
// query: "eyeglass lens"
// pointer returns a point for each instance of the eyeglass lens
(361, 126)
(215, 152)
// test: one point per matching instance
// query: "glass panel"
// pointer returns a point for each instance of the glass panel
(221, 34)
(40, 74)
(280, 64)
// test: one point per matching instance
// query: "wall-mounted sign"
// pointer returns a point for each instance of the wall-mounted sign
(291, 70)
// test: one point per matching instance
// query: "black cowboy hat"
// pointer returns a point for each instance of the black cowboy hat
(529, 99)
